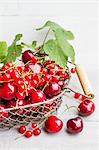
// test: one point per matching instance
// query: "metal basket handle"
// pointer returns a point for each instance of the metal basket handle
(86, 86)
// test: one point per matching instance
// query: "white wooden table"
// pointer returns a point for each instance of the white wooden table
(22, 16)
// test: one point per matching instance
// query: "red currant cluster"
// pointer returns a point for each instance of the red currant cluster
(31, 82)
(28, 133)
(53, 124)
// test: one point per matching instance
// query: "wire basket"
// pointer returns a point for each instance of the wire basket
(32, 112)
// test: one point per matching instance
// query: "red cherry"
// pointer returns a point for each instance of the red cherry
(22, 129)
(77, 95)
(3, 114)
(34, 125)
(53, 124)
(8, 91)
(28, 56)
(28, 133)
(52, 89)
(37, 131)
(74, 125)
(86, 108)
(73, 70)
(37, 96)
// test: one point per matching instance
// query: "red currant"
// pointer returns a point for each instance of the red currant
(34, 125)
(77, 95)
(28, 133)
(37, 131)
(22, 129)
(73, 70)
(6, 77)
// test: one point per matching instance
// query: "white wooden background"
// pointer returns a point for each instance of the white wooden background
(80, 16)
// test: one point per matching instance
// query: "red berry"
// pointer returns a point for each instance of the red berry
(74, 125)
(77, 95)
(55, 78)
(3, 114)
(6, 77)
(1, 77)
(86, 108)
(33, 83)
(53, 124)
(48, 62)
(47, 77)
(15, 75)
(83, 97)
(34, 125)
(22, 129)
(51, 66)
(37, 131)
(63, 74)
(41, 83)
(61, 83)
(28, 133)
(44, 71)
(73, 70)
(37, 96)
(20, 95)
(8, 91)
(52, 89)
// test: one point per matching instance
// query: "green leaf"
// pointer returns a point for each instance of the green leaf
(3, 50)
(14, 50)
(32, 46)
(34, 43)
(62, 36)
(53, 26)
(18, 37)
(54, 51)
(67, 49)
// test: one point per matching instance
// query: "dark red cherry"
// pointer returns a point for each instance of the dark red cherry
(28, 56)
(38, 96)
(52, 89)
(53, 124)
(8, 91)
(74, 125)
(86, 108)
